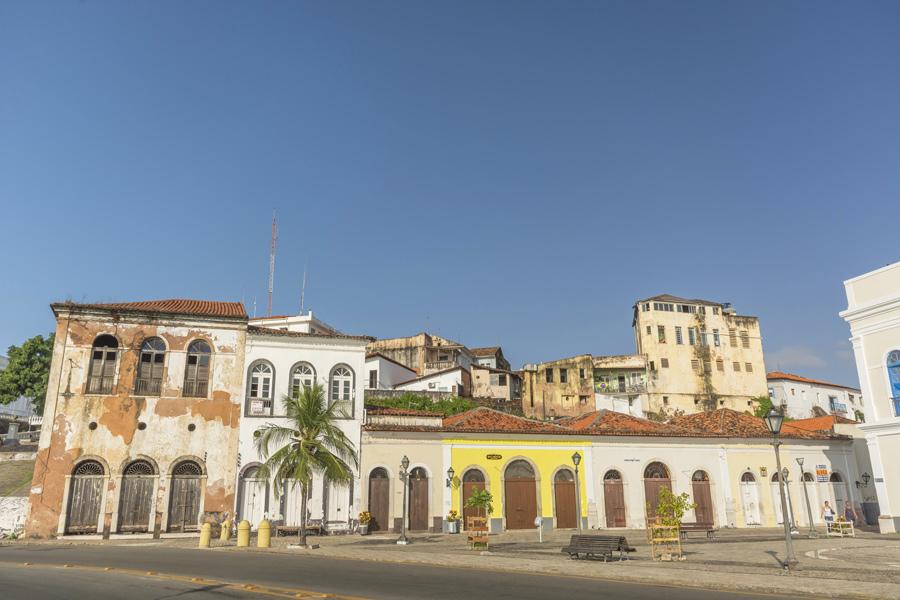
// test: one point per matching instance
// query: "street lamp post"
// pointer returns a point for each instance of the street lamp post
(773, 422)
(787, 490)
(404, 477)
(812, 534)
(576, 459)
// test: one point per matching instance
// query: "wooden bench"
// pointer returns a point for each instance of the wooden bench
(706, 528)
(312, 528)
(597, 545)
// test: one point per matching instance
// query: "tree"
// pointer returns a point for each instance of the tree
(27, 372)
(763, 405)
(310, 443)
(671, 508)
(481, 500)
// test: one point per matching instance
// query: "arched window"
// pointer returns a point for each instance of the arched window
(378, 473)
(88, 468)
(564, 476)
(418, 473)
(893, 368)
(196, 372)
(836, 478)
(700, 476)
(612, 475)
(150, 367)
(102, 369)
(261, 383)
(302, 376)
(341, 390)
(139, 467)
(776, 477)
(807, 476)
(656, 470)
(748, 478)
(473, 476)
(519, 469)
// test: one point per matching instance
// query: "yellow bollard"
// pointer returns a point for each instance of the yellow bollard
(225, 534)
(243, 538)
(205, 534)
(263, 534)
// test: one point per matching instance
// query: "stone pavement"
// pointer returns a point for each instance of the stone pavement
(867, 566)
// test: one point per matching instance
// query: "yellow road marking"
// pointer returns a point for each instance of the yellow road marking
(256, 589)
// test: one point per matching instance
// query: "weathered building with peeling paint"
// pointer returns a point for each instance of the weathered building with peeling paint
(284, 355)
(142, 417)
(701, 355)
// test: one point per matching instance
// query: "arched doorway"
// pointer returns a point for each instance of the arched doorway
(136, 497)
(750, 499)
(184, 501)
(521, 496)
(704, 513)
(379, 499)
(656, 477)
(811, 494)
(472, 480)
(838, 492)
(614, 498)
(564, 495)
(254, 496)
(418, 500)
(776, 500)
(85, 494)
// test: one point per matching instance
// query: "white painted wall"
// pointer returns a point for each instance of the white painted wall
(621, 404)
(389, 373)
(441, 382)
(801, 397)
(323, 353)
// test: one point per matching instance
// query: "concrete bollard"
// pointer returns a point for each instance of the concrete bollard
(205, 534)
(263, 534)
(243, 536)
(225, 534)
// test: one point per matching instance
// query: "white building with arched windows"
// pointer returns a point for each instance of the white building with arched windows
(283, 355)
(873, 313)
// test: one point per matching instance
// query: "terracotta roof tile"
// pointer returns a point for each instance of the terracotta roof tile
(607, 422)
(801, 379)
(487, 351)
(257, 330)
(726, 422)
(490, 420)
(824, 423)
(175, 306)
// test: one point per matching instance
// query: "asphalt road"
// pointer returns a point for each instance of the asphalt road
(145, 572)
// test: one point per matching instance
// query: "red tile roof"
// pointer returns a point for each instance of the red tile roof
(726, 422)
(175, 306)
(607, 422)
(801, 379)
(824, 423)
(257, 330)
(488, 351)
(483, 419)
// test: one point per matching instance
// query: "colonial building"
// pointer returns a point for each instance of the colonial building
(490, 357)
(141, 418)
(283, 356)
(701, 355)
(873, 313)
(723, 460)
(802, 397)
(424, 353)
(498, 385)
(585, 383)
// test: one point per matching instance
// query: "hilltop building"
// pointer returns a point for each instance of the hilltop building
(802, 397)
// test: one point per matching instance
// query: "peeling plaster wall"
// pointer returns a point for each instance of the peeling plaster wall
(117, 439)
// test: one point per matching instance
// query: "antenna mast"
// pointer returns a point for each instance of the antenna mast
(272, 265)
(303, 290)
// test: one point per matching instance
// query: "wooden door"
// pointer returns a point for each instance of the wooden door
(521, 504)
(703, 498)
(379, 498)
(614, 501)
(84, 503)
(652, 488)
(184, 500)
(472, 480)
(418, 500)
(564, 494)
(134, 507)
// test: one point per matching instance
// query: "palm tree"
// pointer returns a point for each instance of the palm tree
(310, 443)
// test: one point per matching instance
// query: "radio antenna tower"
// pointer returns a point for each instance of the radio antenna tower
(303, 291)
(272, 265)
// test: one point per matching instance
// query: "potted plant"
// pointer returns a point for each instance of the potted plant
(364, 518)
(453, 522)
(483, 503)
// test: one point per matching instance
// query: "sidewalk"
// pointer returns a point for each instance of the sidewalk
(867, 566)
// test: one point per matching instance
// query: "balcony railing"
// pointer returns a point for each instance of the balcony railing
(148, 386)
(195, 389)
(439, 365)
(100, 385)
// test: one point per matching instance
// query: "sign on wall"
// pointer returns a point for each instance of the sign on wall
(822, 474)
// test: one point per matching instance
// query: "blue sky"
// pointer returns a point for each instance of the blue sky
(510, 173)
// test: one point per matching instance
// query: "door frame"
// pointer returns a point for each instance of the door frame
(462, 498)
(389, 526)
(429, 481)
(166, 486)
(67, 490)
(537, 486)
(553, 496)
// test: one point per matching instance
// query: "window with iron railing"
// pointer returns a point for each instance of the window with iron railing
(196, 373)
(102, 368)
(150, 367)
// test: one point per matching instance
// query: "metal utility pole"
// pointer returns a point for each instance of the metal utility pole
(812, 534)
(272, 265)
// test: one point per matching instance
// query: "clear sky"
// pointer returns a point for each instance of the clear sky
(508, 173)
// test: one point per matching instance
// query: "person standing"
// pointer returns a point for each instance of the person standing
(828, 515)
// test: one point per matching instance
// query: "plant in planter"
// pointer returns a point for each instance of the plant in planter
(483, 503)
(453, 522)
(364, 518)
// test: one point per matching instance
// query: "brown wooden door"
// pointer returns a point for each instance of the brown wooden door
(379, 497)
(418, 500)
(84, 504)
(652, 488)
(471, 480)
(564, 492)
(614, 501)
(134, 508)
(703, 498)
(521, 503)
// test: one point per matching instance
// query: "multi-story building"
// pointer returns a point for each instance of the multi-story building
(802, 397)
(283, 356)
(501, 386)
(873, 313)
(584, 383)
(141, 418)
(424, 353)
(490, 357)
(701, 355)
